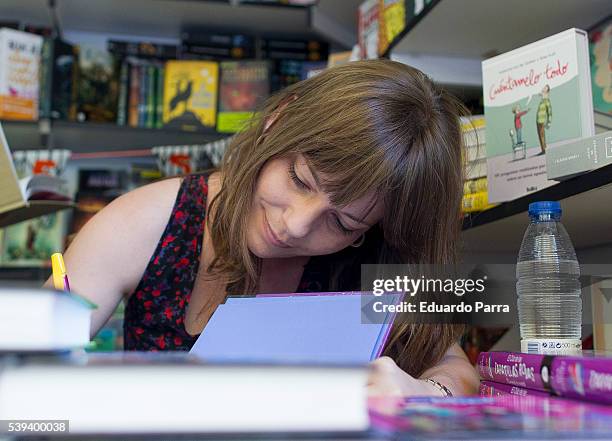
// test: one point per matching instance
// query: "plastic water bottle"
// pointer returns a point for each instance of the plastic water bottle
(548, 285)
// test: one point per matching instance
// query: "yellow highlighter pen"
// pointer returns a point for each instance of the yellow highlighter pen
(60, 276)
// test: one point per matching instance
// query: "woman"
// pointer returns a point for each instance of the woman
(359, 164)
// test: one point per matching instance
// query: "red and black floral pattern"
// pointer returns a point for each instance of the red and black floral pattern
(155, 311)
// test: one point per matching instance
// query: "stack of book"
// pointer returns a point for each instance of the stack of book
(583, 378)
(475, 191)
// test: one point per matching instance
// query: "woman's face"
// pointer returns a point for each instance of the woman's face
(291, 216)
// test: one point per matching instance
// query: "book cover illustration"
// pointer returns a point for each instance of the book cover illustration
(31, 243)
(600, 49)
(244, 85)
(535, 97)
(19, 74)
(190, 95)
(98, 85)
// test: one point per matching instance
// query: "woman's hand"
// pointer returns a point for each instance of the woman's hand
(388, 380)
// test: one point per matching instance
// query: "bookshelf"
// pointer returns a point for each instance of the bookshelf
(462, 33)
(587, 211)
(88, 139)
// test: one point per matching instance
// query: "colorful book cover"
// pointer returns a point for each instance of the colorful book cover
(535, 97)
(190, 94)
(585, 378)
(600, 49)
(244, 85)
(31, 243)
(367, 29)
(392, 22)
(98, 86)
(124, 87)
(19, 74)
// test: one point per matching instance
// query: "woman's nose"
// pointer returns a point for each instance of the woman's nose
(304, 214)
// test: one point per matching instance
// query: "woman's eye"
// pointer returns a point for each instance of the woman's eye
(342, 228)
(295, 178)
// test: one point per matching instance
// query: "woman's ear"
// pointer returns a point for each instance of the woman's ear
(277, 113)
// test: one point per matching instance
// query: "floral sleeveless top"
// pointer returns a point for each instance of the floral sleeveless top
(155, 311)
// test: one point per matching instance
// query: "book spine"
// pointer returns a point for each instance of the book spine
(475, 185)
(142, 49)
(46, 79)
(124, 75)
(134, 95)
(142, 95)
(492, 389)
(475, 202)
(513, 368)
(74, 91)
(583, 378)
(588, 379)
(159, 98)
(151, 87)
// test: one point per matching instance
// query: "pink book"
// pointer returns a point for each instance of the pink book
(584, 378)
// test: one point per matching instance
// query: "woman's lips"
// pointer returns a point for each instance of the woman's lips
(271, 237)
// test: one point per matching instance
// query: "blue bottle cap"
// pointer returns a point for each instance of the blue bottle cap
(543, 207)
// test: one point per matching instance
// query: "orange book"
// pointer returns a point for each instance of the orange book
(19, 74)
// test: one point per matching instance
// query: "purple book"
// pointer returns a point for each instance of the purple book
(492, 389)
(584, 378)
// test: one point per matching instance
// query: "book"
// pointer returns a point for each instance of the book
(58, 63)
(19, 74)
(97, 91)
(476, 169)
(34, 320)
(367, 29)
(303, 50)
(584, 378)
(573, 158)
(16, 204)
(472, 202)
(600, 42)
(142, 49)
(535, 97)
(315, 328)
(493, 389)
(215, 398)
(474, 145)
(190, 94)
(216, 46)
(475, 185)
(490, 418)
(392, 21)
(243, 87)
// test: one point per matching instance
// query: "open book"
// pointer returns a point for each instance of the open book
(30, 197)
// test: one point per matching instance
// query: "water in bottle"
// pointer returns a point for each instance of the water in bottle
(548, 286)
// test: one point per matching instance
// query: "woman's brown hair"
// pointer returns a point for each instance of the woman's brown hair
(372, 125)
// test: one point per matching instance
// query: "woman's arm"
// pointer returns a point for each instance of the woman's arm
(108, 256)
(454, 371)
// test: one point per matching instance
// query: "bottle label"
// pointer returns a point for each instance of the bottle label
(551, 346)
